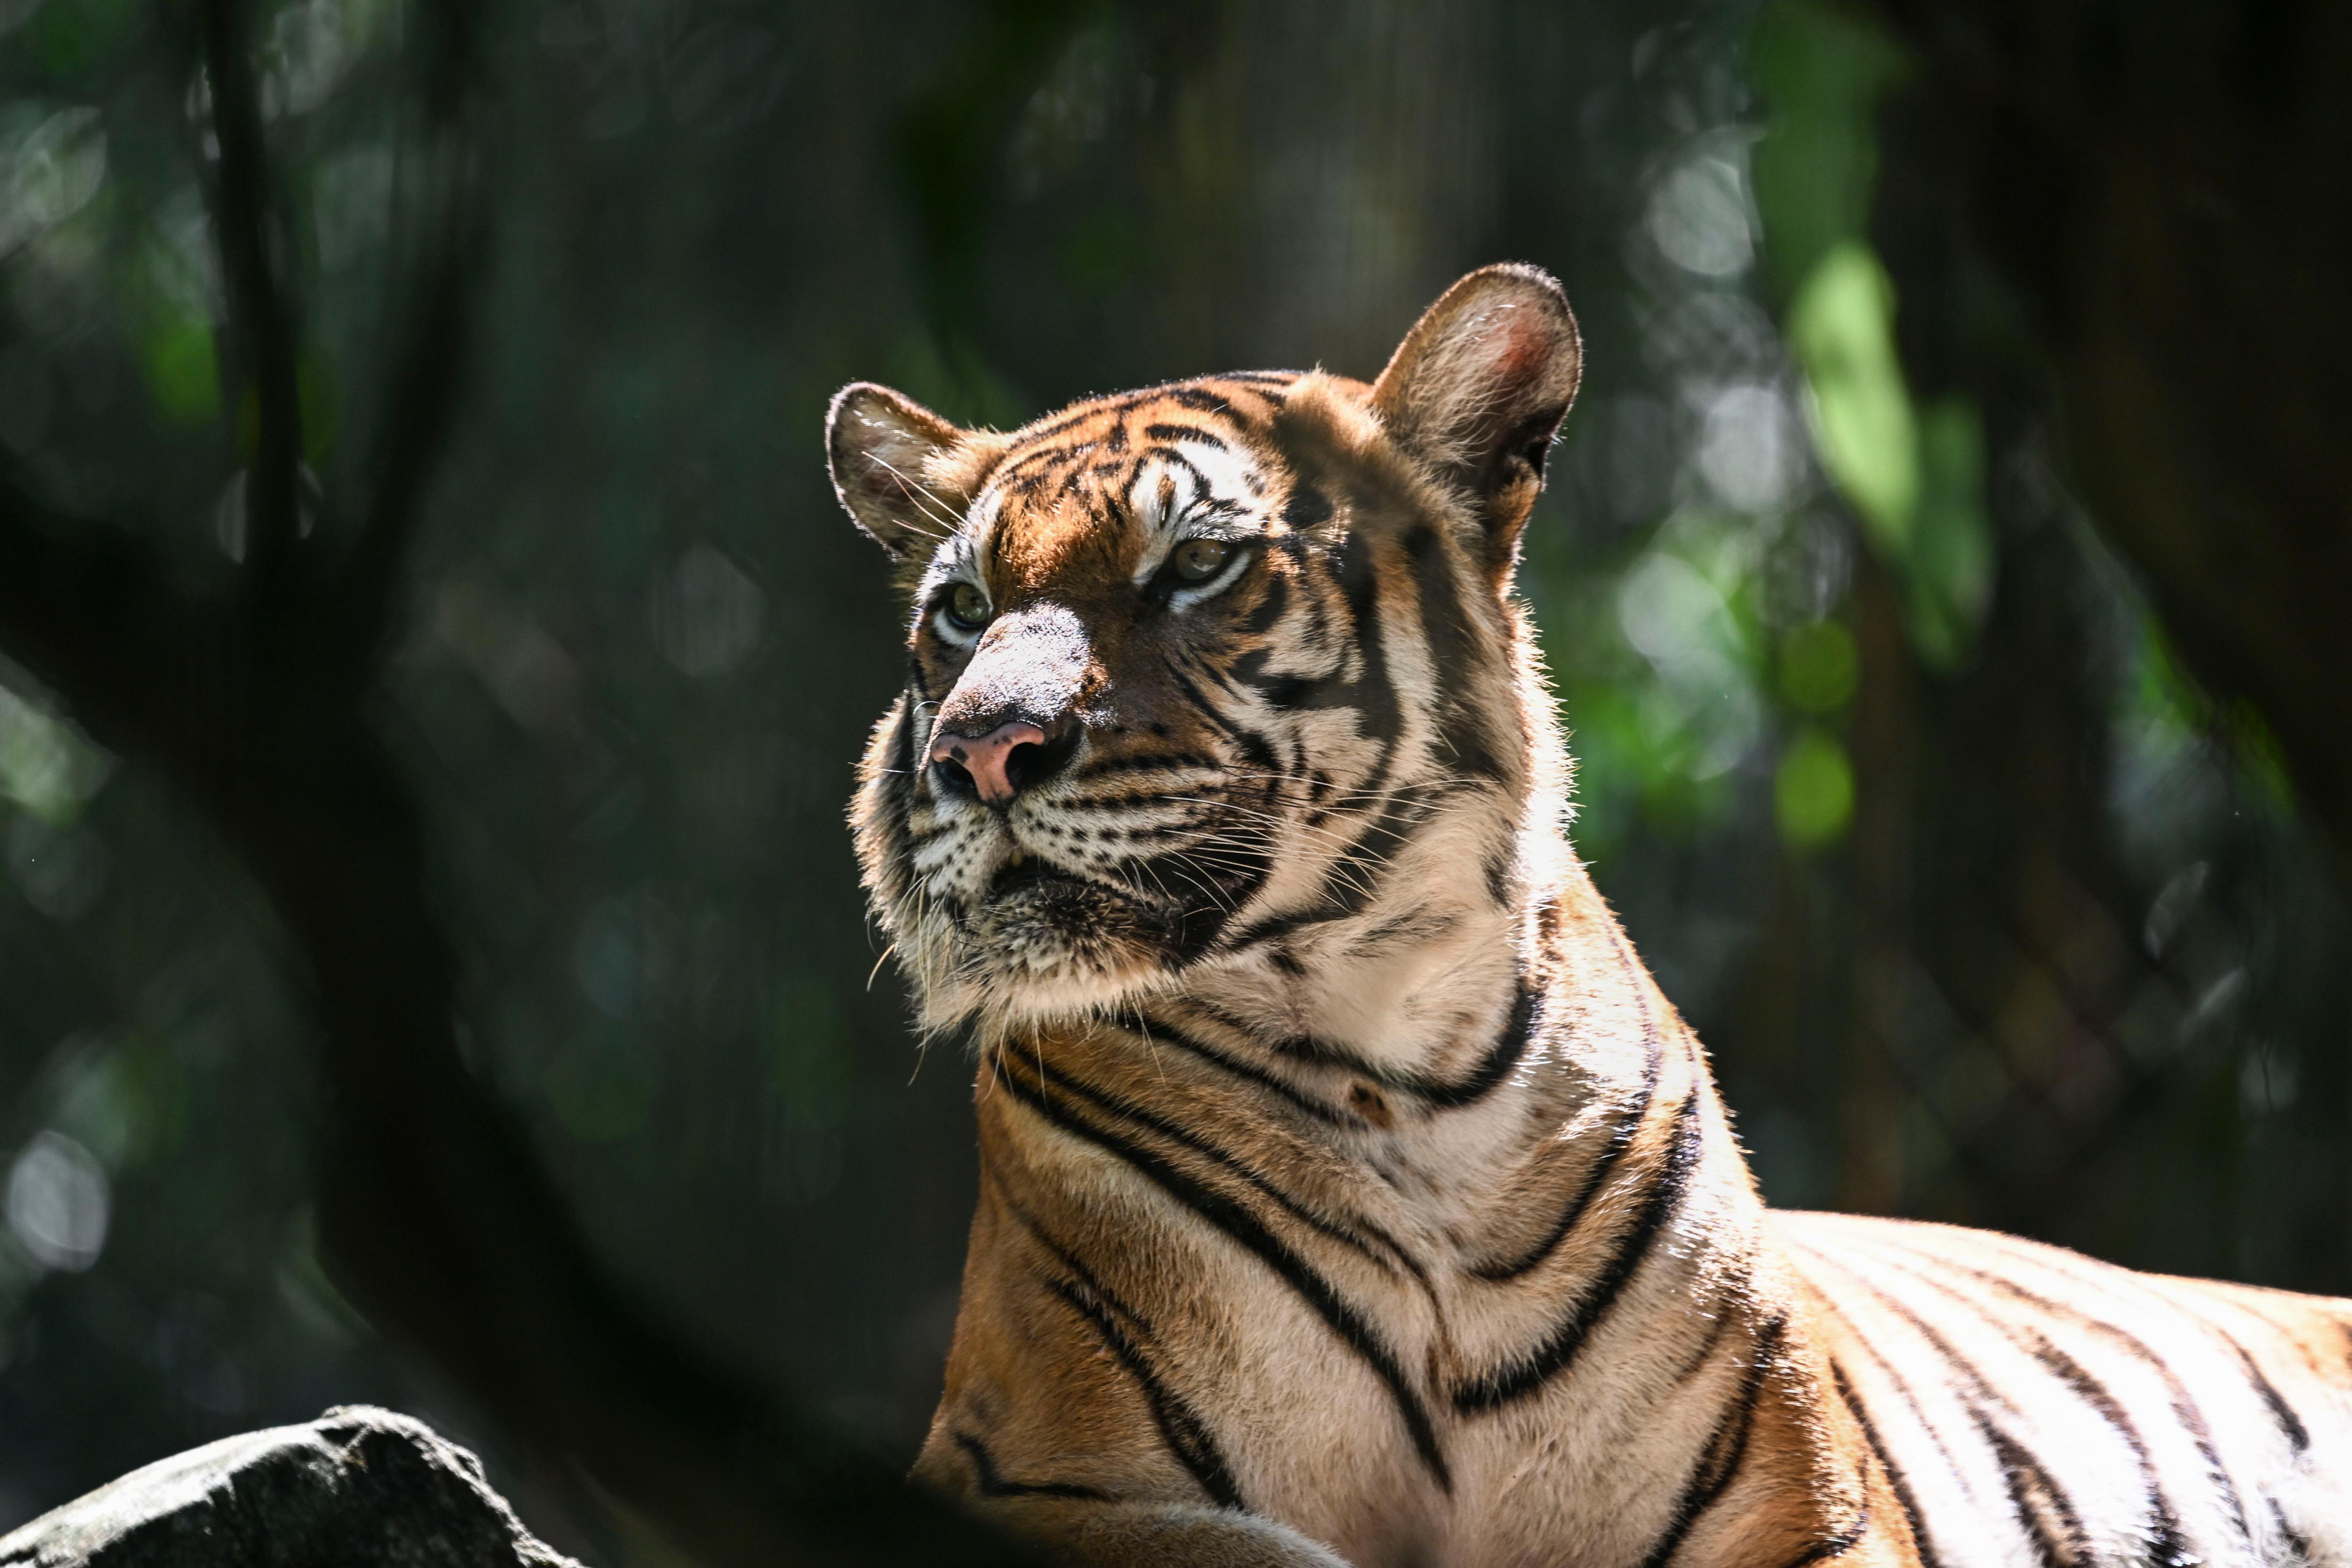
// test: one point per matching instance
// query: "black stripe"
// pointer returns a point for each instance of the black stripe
(2297, 1543)
(1274, 598)
(1186, 1435)
(1139, 761)
(1509, 1048)
(1307, 507)
(1201, 400)
(2184, 1402)
(2167, 1547)
(1702, 1352)
(1123, 403)
(1351, 882)
(1518, 1379)
(2298, 1435)
(1359, 588)
(2290, 1424)
(1181, 1430)
(989, 1483)
(1894, 1476)
(1725, 1448)
(1227, 869)
(1903, 1389)
(1292, 693)
(1256, 750)
(1199, 699)
(2008, 1450)
(1167, 458)
(1360, 1236)
(1844, 1542)
(1162, 1033)
(1332, 903)
(1184, 433)
(1620, 1138)
(1454, 657)
(1343, 1319)
(2035, 1494)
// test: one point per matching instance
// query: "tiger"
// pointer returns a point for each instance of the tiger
(1350, 1192)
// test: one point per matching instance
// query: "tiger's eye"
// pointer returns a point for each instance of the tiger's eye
(1197, 560)
(967, 607)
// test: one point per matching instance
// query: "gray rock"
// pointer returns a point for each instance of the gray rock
(357, 1486)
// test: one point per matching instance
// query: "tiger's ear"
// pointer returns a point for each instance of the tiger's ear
(905, 474)
(1478, 388)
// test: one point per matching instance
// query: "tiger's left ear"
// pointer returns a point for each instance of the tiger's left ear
(1478, 389)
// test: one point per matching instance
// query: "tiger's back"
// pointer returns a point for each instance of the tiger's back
(2036, 1406)
(1349, 1193)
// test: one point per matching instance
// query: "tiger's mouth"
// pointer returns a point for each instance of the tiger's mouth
(1042, 938)
(1034, 937)
(1042, 899)
(1027, 873)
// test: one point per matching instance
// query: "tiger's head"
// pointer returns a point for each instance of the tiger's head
(1223, 678)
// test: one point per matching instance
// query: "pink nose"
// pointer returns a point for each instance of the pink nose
(984, 758)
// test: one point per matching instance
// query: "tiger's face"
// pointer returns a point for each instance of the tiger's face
(1190, 669)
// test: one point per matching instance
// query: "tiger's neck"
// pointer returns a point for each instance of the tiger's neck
(1453, 1045)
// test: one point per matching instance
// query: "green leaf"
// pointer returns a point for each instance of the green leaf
(1841, 329)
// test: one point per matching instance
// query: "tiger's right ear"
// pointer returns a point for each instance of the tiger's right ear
(1478, 388)
(906, 475)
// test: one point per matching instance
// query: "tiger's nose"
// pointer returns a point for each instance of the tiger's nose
(996, 766)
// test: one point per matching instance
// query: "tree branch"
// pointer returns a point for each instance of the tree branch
(264, 326)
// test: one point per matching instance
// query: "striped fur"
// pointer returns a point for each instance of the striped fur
(1350, 1192)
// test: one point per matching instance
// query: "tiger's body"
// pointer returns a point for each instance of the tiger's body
(1349, 1193)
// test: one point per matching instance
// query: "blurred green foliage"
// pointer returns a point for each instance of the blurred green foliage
(1880, 757)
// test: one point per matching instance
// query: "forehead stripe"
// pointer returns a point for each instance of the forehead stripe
(1194, 397)
(1170, 458)
(1061, 454)
(1020, 464)
(1126, 403)
(1202, 398)
(1183, 433)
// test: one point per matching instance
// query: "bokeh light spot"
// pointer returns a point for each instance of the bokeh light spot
(1813, 793)
(58, 1203)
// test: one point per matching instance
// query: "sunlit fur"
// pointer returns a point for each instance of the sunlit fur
(1227, 776)
(1350, 1192)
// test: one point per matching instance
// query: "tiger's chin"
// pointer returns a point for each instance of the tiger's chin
(1045, 944)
